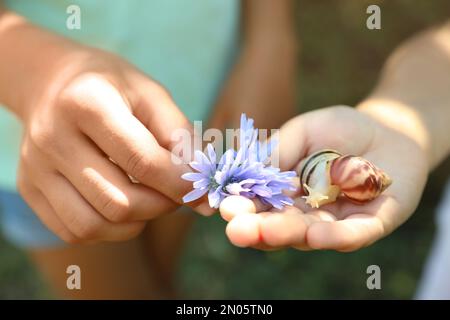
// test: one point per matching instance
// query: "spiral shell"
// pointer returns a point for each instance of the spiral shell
(315, 178)
(358, 179)
(326, 174)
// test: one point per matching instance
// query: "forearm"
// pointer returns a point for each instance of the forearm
(270, 51)
(268, 22)
(413, 94)
(264, 76)
(27, 53)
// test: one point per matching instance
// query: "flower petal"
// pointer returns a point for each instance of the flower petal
(214, 198)
(194, 195)
(236, 189)
(227, 159)
(212, 154)
(201, 158)
(200, 167)
(203, 183)
(262, 191)
(192, 176)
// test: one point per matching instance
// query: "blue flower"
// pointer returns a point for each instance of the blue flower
(243, 173)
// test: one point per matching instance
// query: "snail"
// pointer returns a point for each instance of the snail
(327, 174)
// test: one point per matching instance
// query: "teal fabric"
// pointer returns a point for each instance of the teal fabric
(188, 46)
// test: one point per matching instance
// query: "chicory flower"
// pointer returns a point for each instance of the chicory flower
(243, 172)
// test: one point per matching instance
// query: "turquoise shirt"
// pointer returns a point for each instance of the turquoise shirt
(188, 46)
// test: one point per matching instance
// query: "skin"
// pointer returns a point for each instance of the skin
(81, 108)
(402, 127)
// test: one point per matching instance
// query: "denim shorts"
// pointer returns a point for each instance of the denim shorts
(20, 226)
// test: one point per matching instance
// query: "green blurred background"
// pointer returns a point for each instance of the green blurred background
(340, 62)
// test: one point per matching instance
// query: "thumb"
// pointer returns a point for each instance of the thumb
(157, 110)
(291, 147)
(159, 113)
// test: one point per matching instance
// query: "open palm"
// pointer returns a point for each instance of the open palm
(342, 225)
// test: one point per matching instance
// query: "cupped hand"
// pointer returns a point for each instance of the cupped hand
(91, 120)
(342, 225)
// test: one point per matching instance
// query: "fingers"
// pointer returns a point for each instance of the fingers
(160, 115)
(59, 205)
(78, 216)
(267, 229)
(45, 212)
(317, 229)
(244, 230)
(353, 233)
(107, 120)
(292, 143)
(234, 205)
(271, 229)
(158, 112)
(284, 229)
(107, 188)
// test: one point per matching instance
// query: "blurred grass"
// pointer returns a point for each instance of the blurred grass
(340, 62)
(18, 278)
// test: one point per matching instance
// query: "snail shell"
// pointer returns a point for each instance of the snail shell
(315, 178)
(358, 179)
(326, 174)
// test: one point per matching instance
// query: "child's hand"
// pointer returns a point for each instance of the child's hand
(87, 108)
(342, 225)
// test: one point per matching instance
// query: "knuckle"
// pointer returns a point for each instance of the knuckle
(138, 165)
(82, 86)
(164, 91)
(45, 141)
(86, 230)
(41, 137)
(156, 87)
(115, 210)
(78, 98)
(111, 206)
(106, 199)
(26, 159)
(69, 238)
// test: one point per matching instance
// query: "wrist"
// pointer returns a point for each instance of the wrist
(30, 56)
